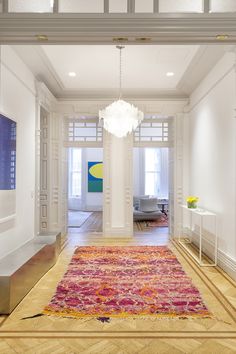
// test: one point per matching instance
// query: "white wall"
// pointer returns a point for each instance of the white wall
(212, 151)
(17, 101)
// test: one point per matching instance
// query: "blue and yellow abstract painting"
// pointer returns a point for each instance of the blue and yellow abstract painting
(95, 177)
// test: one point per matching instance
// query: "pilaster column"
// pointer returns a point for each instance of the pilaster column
(118, 186)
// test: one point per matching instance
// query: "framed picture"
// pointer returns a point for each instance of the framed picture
(7, 167)
(95, 177)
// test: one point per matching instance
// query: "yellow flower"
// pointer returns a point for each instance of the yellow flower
(192, 199)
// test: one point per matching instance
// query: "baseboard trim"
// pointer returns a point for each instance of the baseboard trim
(7, 218)
(118, 231)
(227, 263)
(224, 261)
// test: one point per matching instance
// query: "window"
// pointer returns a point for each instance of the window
(75, 172)
(156, 172)
(152, 130)
(83, 131)
(152, 171)
(30, 5)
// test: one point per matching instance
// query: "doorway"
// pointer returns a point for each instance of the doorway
(151, 190)
(85, 189)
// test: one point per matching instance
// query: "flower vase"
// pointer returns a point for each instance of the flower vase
(192, 205)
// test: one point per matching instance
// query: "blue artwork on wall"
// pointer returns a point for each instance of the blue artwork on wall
(7, 153)
(95, 177)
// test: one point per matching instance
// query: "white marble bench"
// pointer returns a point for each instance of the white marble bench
(21, 269)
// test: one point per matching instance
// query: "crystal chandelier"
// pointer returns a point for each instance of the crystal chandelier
(120, 118)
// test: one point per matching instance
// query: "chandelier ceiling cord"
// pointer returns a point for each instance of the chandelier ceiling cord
(120, 47)
(120, 118)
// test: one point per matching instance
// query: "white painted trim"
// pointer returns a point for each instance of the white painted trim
(191, 107)
(118, 231)
(110, 194)
(17, 77)
(7, 218)
(8, 116)
(162, 28)
(227, 263)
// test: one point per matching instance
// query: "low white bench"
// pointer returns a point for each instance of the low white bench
(22, 269)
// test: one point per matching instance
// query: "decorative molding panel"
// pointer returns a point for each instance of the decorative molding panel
(55, 177)
(175, 172)
(44, 171)
(118, 186)
(178, 170)
(52, 205)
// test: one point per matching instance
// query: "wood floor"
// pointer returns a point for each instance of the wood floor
(47, 334)
(94, 225)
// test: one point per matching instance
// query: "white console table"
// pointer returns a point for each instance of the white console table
(202, 214)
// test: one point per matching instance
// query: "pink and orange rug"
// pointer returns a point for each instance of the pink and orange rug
(126, 282)
(161, 222)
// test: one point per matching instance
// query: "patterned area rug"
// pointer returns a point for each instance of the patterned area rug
(126, 282)
(161, 222)
(145, 226)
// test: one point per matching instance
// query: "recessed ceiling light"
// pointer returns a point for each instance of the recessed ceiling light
(170, 73)
(72, 74)
(222, 37)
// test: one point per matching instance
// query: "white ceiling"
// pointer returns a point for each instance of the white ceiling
(97, 68)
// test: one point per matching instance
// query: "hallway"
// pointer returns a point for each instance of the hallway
(62, 335)
(124, 110)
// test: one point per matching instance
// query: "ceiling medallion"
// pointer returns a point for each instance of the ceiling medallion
(120, 118)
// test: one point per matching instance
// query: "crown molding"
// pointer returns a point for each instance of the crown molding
(204, 60)
(86, 108)
(39, 64)
(63, 28)
(127, 94)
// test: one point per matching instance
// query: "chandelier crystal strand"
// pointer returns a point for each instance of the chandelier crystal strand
(120, 118)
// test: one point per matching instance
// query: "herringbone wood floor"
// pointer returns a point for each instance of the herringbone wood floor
(62, 335)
